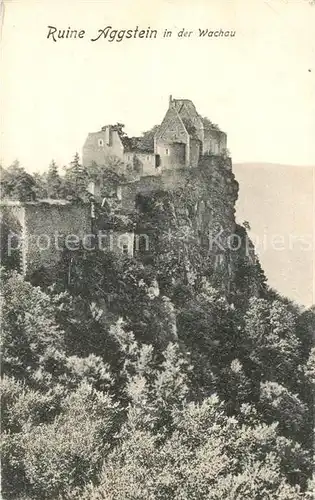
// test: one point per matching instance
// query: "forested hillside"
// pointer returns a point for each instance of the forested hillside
(148, 380)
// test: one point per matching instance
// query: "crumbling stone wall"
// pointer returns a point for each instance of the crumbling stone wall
(171, 141)
(173, 155)
(44, 229)
(144, 185)
(58, 225)
(215, 141)
(12, 226)
(101, 145)
(142, 163)
(195, 152)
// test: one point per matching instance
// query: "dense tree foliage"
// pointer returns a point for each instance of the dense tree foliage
(112, 391)
(17, 184)
(141, 379)
(54, 181)
(71, 183)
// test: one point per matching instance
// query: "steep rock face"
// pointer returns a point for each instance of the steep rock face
(219, 190)
(196, 208)
(213, 182)
(189, 212)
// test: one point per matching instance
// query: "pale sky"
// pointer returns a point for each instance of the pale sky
(258, 86)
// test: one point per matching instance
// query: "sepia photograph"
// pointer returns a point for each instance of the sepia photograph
(157, 223)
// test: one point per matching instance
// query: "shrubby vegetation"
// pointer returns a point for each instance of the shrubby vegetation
(17, 184)
(141, 381)
(135, 397)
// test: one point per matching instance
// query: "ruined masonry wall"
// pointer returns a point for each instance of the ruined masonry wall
(145, 185)
(47, 226)
(172, 155)
(144, 161)
(215, 141)
(100, 145)
(194, 153)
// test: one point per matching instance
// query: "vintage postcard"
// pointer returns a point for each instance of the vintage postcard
(157, 249)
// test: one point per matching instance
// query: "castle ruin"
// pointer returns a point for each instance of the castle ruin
(184, 143)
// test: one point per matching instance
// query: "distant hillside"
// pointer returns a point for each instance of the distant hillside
(278, 201)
